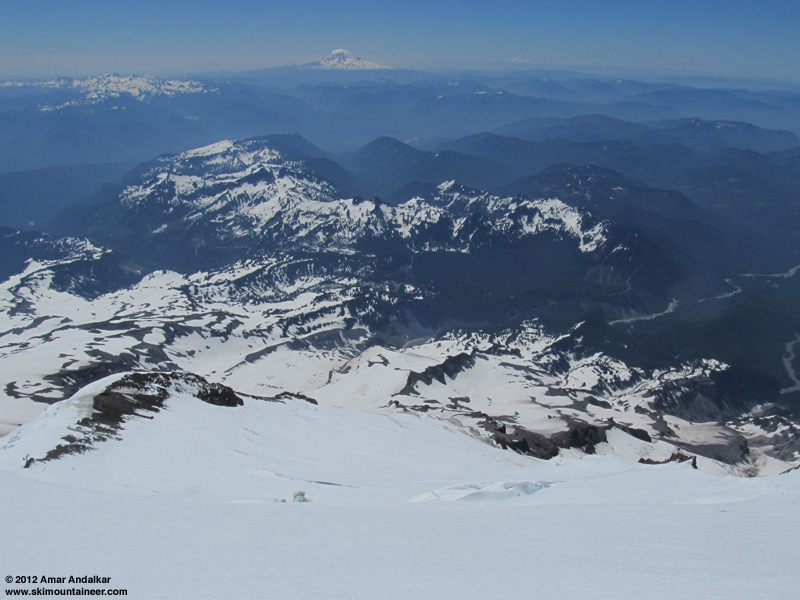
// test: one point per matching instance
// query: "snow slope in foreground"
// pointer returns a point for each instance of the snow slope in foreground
(188, 504)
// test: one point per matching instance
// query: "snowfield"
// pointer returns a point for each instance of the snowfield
(293, 335)
(195, 501)
(159, 427)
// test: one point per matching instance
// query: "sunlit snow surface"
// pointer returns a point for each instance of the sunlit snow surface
(190, 504)
(294, 336)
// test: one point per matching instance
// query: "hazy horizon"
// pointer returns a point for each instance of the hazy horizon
(733, 39)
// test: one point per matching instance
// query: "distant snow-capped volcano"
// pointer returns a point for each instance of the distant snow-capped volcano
(342, 59)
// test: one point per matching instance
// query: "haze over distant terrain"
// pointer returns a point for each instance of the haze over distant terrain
(709, 37)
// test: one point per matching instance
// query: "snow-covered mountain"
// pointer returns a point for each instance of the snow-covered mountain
(239, 200)
(573, 381)
(106, 87)
(283, 324)
(343, 59)
(245, 485)
(72, 265)
(247, 190)
(496, 313)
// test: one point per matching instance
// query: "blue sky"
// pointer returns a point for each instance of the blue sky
(729, 38)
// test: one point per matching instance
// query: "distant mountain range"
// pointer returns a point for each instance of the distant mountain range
(104, 88)
(546, 260)
(342, 102)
